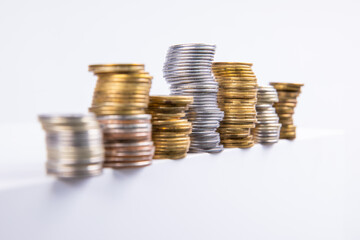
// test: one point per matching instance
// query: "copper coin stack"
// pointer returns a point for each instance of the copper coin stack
(74, 145)
(287, 93)
(237, 97)
(170, 127)
(120, 100)
(268, 127)
(127, 140)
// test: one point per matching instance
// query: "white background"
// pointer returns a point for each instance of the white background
(304, 189)
(46, 46)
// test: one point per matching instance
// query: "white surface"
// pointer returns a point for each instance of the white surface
(306, 189)
(46, 46)
(302, 189)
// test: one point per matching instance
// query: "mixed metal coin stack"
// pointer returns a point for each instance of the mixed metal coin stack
(287, 93)
(74, 145)
(268, 127)
(237, 97)
(188, 70)
(120, 101)
(127, 140)
(170, 127)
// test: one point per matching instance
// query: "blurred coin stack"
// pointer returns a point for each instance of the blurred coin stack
(127, 140)
(237, 98)
(188, 70)
(170, 129)
(120, 100)
(268, 127)
(74, 145)
(287, 93)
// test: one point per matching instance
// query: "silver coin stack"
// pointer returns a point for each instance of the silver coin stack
(267, 129)
(74, 145)
(188, 70)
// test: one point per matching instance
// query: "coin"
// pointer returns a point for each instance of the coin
(288, 93)
(237, 98)
(74, 145)
(188, 70)
(170, 129)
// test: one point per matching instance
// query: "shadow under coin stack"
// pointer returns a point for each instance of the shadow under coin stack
(268, 127)
(188, 70)
(237, 98)
(287, 93)
(120, 100)
(170, 129)
(74, 145)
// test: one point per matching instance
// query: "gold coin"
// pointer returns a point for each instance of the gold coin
(231, 64)
(177, 122)
(172, 100)
(169, 156)
(166, 116)
(101, 112)
(110, 68)
(159, 134)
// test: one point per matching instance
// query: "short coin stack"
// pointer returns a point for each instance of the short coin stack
(288, 93)
(268, 127)
(170, 129)
(74, 145)
(188, 70)
(121, 89)
(127, 140)
(237, 98)
(120, 101)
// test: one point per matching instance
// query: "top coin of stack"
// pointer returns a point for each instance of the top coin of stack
(287, 93)
(237, 98)
(267, 128)
(121, 89)
(74, 145)
(170, 129)
(188, 70)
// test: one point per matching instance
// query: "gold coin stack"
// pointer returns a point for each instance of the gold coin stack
(237, 97)
(170, 128)
(121, 89)
(287, 93)
(120, 100)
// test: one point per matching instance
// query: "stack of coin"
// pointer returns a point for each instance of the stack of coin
(170, 129)
(237, 98)
(121, 89)
(74, 145)
(188, 70)
(127, 140)
(267, 128)
(288, 93)
(120, 101)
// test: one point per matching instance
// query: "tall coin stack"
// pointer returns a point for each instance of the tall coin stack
(120, 100)
(188, 70)
(287, 93)
(237, 98)
(170, 129)
(74, 145)
(268, 127)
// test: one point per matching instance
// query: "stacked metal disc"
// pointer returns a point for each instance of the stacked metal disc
(121, 89)
(188, 70)
(74, 145)
(170, 127)
(237, 98)
(268, 127)
(120, 100)
(287, 93)
(127, 140)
